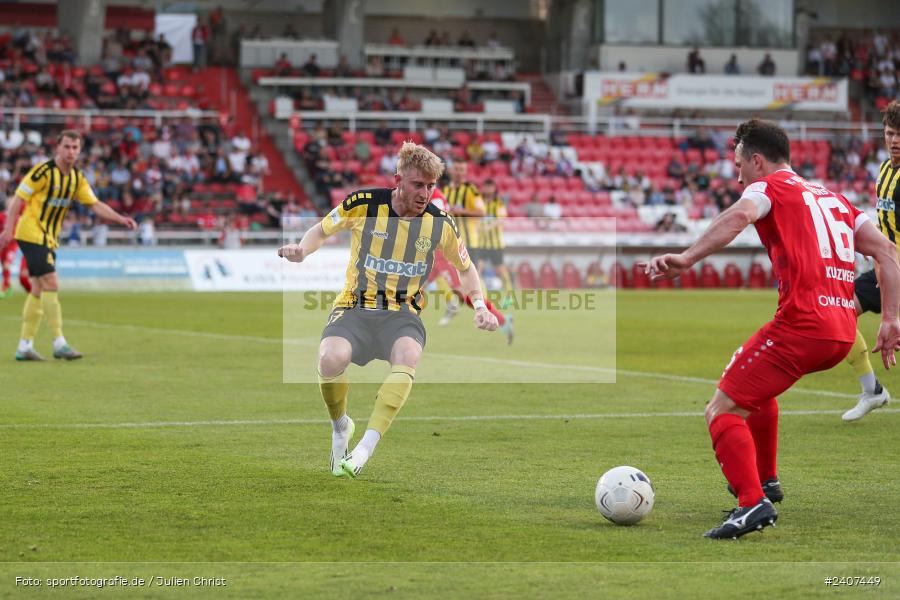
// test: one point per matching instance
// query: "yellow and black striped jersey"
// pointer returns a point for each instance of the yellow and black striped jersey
(887, 191)
(391, 257)
(468, 197)
(47, 194)
(492, 224)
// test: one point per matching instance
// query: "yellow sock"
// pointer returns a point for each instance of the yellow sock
(507, 282)
(50, 304)
(391, 397)
(859, 356)
(31, 317)
(334, 392)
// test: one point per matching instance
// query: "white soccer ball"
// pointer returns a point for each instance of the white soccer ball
(624, 495)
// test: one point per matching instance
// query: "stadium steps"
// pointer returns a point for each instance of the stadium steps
(209, 84)
(283, 139)
(543, 100)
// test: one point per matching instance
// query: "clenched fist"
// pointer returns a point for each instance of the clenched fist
(292, 252)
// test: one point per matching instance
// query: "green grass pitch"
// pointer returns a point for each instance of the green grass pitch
(175, 450)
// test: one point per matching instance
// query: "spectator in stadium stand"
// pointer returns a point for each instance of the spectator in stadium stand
(362, 150)
(732, 67)
(813, 60)
(289, 32)
(445, 39)
(552, 210)
(343, 67)
(492, 41)
(382, 134)
(474, 151)
(200, 41)
(336, 134)
(767, 67)
(311, 67)
(433, 39)
(396, 39)
(283, 67)
(11, 139)
(465, 40)
(695, 64)
(668, 224)
(163, 52)
(622, 66)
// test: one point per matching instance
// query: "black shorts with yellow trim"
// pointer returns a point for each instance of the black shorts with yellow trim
(491, 255)
(372, 332)
(866, 289)
(41, 260)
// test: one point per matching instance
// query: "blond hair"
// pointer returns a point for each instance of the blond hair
(420, 158)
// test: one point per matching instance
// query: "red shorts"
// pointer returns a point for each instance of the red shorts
(444, 267)
(9, 253)
(772, 360)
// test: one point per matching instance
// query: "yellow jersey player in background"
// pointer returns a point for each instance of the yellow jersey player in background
(47, 191)
(491, 238)
(395, 233)
(463, 202)
(867, 295)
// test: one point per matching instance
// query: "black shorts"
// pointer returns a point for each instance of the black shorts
(372, 333)
(40, 259)
(491, 255)
(868, 292)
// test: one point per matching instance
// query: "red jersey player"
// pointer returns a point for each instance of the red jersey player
(811, 235)
(7, 256)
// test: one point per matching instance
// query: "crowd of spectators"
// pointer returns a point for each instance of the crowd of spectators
(869, 58)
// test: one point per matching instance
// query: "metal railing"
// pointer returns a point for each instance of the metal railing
(545, 124)
(45, 116)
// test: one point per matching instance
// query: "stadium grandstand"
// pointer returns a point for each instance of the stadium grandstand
(605, 125)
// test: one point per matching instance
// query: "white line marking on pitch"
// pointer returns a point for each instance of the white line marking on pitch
(575, 416)
(482, 359)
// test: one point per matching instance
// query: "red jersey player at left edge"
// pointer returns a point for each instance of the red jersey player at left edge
(811, 235)
(7, 256)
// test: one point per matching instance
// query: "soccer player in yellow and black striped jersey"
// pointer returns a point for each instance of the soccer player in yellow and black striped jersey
(465, 204)
(492, 235)
(47, 191)
(867, 294)
(395, 233)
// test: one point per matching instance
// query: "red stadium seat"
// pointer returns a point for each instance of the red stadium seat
(525, 276)
(689, 279)
(618, 276)
(663, 284)
(639, 279)
(757, 277)
(549, 277)
(733, 276)
(571, 277)
(709, 277)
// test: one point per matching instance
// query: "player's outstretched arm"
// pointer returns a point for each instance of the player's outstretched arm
(719, 234)
(869, 241)
(471, 285)
(12, 215)
(311, 241)
(103, 210)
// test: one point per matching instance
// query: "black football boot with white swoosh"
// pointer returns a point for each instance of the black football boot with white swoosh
(744, 519)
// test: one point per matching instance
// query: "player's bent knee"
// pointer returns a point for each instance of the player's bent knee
(48, 282)
(406, 351)
(721, 404)
(334, 356)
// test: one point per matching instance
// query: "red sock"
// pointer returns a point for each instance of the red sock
(501, 320)
(23, 276)
(5, 278)
(763, 426)
(736, 454)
